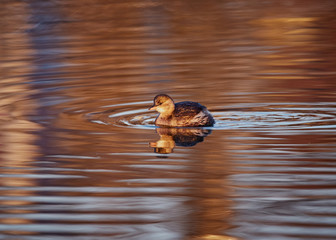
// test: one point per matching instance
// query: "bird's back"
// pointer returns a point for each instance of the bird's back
(187, 109)
(192, 114)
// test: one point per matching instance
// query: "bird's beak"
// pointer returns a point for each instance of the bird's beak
(152, 107)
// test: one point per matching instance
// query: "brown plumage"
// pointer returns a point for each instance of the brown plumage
(182, 114)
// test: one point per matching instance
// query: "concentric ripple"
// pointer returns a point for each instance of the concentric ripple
(134, 115)
(299, 115)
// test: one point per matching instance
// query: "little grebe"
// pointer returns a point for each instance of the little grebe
(182, 114)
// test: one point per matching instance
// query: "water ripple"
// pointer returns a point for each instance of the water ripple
(272, 115)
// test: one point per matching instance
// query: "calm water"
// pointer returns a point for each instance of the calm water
(81, 158)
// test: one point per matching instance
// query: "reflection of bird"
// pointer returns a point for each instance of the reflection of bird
(182, 114)
(185, 137)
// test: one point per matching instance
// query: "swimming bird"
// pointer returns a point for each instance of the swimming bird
(181, 114)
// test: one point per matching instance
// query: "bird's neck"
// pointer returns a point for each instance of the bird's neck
(168, 110)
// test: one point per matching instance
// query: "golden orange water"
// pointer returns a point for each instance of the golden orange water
(80, 157)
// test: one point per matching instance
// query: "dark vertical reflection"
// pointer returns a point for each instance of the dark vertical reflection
(18, 134)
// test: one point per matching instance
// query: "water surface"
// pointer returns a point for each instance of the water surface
(80, 155)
